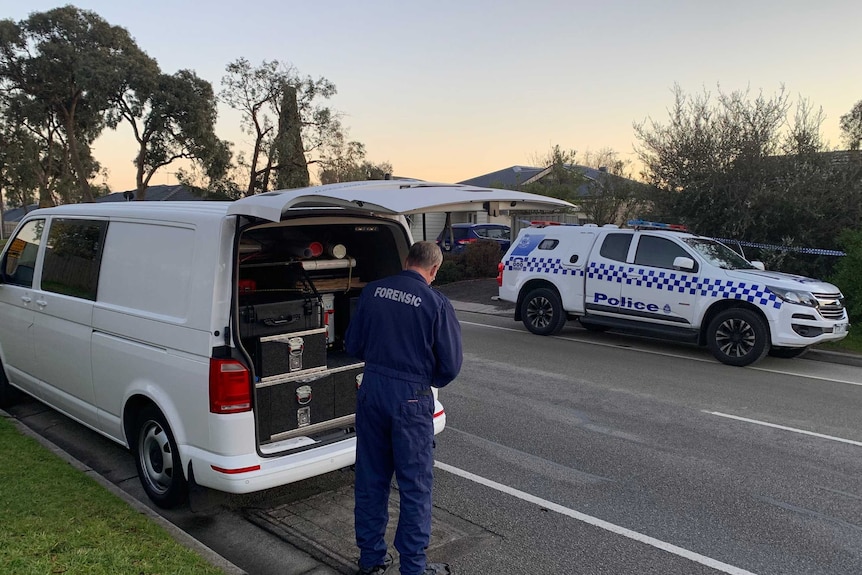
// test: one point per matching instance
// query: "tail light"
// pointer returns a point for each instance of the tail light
(466, 241)
(500, 274)
(230, 386)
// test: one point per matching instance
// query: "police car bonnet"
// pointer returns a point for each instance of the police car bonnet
(393, 197)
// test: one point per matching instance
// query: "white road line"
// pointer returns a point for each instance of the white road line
(596, 522)
(793, 373)
(784, 427)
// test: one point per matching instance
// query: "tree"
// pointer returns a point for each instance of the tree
(345, 162)
(265, 97)
(612, 195)
(71, 63)
(743, 168)
(172, 118)
(562, 180)
(851, 126)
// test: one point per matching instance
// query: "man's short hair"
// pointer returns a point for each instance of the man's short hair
(424, 255)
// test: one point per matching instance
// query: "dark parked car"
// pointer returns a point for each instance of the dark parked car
(464, 234)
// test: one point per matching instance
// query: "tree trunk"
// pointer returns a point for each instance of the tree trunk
(77, 165)
(293, 169)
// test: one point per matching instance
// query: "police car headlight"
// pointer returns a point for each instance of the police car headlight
(794, 296)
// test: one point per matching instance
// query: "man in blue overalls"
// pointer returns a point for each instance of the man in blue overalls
(410, 340)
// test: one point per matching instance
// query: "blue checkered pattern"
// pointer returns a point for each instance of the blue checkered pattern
(683, 283)
(550, 266)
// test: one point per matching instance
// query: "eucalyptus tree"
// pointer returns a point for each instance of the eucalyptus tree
(72, 63)
(172, 117)
(851, 126)
(280, 109)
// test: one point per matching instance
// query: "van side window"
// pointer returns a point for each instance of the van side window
(616, 246)
(72, 257)
(20, 260)
(658, 252)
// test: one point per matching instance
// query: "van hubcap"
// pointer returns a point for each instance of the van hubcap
(154, 451)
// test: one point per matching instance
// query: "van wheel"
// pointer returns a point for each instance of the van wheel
(542, 312)
(158, 460)
(787, 352)
(737, 337)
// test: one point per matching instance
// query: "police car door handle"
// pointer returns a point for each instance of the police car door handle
(41, 303)
(26, 299)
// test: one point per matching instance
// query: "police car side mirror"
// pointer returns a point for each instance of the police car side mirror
(683, 263)
(759, 265)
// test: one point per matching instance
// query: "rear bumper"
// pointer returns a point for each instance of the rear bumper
(250, 472)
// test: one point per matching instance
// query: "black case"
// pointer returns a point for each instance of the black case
(260, 316)
(306, 399)
(292, 352)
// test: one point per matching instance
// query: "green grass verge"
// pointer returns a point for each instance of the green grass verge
(850, 344)
(58, 520)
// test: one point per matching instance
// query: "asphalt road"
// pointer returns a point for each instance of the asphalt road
(599, 454)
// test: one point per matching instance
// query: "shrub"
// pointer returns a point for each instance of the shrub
(481, 259)
(451, 270)
(847, 276)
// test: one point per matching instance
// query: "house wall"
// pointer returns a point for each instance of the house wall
(435, 221)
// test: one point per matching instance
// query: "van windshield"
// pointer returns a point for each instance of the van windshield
(719, 254)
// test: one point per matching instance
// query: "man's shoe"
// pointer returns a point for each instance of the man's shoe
(378, 569)
(437, 569)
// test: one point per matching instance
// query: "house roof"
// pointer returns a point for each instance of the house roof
(516, 176)
(159, 193)
(506, 178)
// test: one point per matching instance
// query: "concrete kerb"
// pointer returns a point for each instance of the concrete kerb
(507, 310)
(178, 534)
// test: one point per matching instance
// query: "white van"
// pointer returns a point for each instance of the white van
(207, 336)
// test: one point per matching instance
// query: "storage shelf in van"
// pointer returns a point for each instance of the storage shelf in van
(346, 421)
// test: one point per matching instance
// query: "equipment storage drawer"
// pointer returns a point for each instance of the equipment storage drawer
(259, 317)
(306, 404)
(287, 353)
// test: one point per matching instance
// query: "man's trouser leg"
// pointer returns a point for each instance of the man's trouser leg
(374, 469)
(413, 453)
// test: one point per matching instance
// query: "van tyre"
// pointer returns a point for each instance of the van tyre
(158, 460)
(542, 312)
(737, 337)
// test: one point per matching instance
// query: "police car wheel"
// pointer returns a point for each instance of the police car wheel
(787, 352)
(737, 337)
(542, 312)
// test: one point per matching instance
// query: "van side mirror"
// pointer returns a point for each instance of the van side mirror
(683, 263)
(759, 265)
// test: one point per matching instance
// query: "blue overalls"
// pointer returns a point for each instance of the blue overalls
(410, 340)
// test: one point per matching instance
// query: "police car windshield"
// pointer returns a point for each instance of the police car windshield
(718, 254)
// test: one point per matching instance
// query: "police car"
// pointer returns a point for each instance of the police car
(663, 281)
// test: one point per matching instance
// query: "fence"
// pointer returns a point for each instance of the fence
(8, 228)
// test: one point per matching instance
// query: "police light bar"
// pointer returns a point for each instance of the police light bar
(657, 225)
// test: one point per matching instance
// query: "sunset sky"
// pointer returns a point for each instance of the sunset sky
(449, 90)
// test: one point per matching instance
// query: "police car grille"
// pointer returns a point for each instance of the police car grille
(831, 305)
